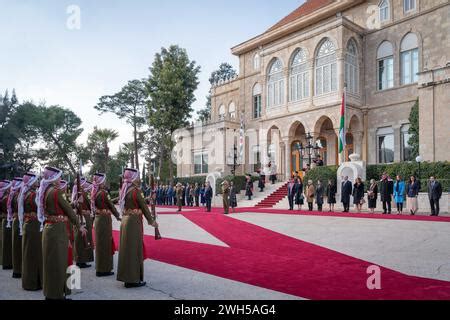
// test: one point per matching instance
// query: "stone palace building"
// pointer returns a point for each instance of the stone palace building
(387, 54)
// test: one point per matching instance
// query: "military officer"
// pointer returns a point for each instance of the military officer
(179, 193)
(226, 196)
(31, 234)
(83, 252)
(57, 213)
(13, 220)
(103, 208)
(6, 237)
(133, 206)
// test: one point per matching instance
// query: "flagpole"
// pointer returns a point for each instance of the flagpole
(342, 129)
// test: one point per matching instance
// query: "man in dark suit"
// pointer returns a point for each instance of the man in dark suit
(208, 196)
(346, 192)
(386, 193)
(434, 194)
(292, 192)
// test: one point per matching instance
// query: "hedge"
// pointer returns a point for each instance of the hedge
(441, 170)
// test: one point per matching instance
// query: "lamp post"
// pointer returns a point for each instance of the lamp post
(232, 160)
(419, 160)
(310, 151)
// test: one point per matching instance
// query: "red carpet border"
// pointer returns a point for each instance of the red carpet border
(267, 259)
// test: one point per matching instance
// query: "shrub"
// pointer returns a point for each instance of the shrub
(441, 170)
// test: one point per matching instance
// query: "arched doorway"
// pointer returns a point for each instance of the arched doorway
(349, 146)
(297, 135)
(275, 151)
(327, 140)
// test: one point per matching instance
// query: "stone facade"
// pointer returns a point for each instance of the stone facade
(371, 112)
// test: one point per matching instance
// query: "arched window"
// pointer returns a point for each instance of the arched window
(385, 9)
(257, 92)
(275, 84)
(222, 112)
(256, 62)
(232, 110)
(299, 77)
(352, 68)
(385, 65)
(409, 59)
(326, 68)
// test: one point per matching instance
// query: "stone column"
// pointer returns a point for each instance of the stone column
(365, 144)
(397, 143)
(358, 142)
(287, 157)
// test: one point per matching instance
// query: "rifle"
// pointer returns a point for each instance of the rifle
(153, 206)
(87, 245)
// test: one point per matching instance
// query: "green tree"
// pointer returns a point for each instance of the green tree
(59, 128)
(98, 146)
(128, 104)
(171, 86)
(414, 129)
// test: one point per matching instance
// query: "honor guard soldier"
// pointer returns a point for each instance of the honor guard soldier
(226, 197)
(6, 237)
(133, 206)
(30, 229)
(58, 215)
(13, 221)
(103, 209)
(83, 252)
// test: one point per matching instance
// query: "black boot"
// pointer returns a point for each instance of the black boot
(104, 274)
(83, 265)
(17, 275)
(135, 285)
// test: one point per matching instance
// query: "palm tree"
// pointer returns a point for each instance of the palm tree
(98, 142)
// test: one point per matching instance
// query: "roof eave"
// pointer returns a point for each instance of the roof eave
(301, 23)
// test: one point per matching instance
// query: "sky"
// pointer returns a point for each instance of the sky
(49, 56)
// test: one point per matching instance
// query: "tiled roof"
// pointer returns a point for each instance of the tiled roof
(308, 7)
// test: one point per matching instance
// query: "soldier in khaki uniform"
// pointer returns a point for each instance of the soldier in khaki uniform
(82, 249)
(226, 197)
(133, 206)
(13, 221)
(6, 237)
(179, 193)
(103, 208)
(31, 234)
(58, 215)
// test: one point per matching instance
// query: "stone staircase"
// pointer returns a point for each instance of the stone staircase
(259, 197)
(274, 198)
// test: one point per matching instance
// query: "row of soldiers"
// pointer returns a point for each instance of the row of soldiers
(42, 235)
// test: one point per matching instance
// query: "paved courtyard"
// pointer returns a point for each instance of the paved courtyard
(259, 255)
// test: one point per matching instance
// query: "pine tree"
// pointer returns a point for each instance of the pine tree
(414, 129)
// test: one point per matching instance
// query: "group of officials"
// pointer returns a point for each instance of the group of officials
(43, 233)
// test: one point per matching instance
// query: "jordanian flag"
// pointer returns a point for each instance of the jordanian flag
(342, 127)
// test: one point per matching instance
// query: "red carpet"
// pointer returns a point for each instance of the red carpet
(267, 259)
(274, 198)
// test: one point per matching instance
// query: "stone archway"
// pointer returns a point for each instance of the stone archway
(297, 136)
(354, 137)
(325, 136)
(275, 151)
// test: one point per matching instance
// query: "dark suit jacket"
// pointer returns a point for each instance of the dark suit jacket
(208, 193)
(435, 191)
(346, 191)
(386, 190)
